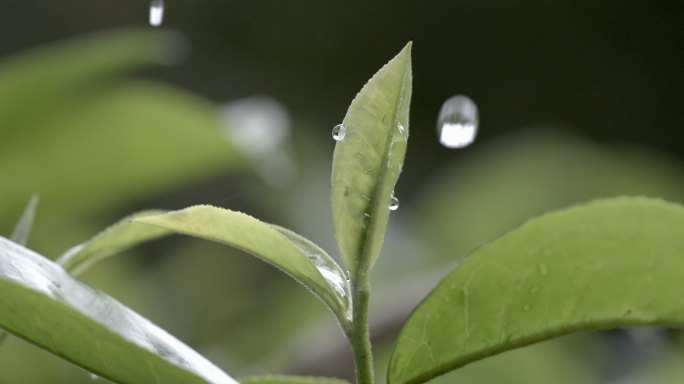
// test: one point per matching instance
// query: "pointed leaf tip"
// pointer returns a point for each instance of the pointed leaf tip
(368, 161)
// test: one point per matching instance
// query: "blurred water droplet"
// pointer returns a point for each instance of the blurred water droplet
(339, 132)
(534, 289)
(259, 127)
(394, 203)
(458, 121)
(94, 377)
(526, 307)
(156, 12)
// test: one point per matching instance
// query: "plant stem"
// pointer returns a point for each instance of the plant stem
(359, 334)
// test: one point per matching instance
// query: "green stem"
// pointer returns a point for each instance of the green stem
(359, 334)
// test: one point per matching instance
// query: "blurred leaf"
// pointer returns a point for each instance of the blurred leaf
(35, 83)
(541, 363)
(116, 238)
(118, 141)
(21, 233)
(281, 379)
(291, 253)
(22, 230)
(606, 264)
(498, 185)
(44, 305)
(368, 160)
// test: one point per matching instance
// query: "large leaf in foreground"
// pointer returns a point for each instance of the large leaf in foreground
(282, 379)
(609, 263)
(368, 160)
(43, 304)
(116, 238)
(282, 248)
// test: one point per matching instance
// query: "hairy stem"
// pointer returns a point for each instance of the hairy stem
(359, 334)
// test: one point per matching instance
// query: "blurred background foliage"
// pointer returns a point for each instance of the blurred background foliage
(233, 104)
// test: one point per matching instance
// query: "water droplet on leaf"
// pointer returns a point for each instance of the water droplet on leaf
(156, 12)
(394, 203)
(458, 121)
(338, 132)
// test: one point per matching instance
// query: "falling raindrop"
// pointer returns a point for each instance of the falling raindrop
(394, 203)
(338, 132)
(156, 12)
(458, 121)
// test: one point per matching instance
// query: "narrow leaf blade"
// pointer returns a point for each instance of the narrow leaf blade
(44, 305)
(606, 264)
(117, 238)
(368, 160)
(23, 228)
(282, 379)
(261, 240)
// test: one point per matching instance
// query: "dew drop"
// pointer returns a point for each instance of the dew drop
(458, 121)
(394, 203)
(156, 12)
(338, 132)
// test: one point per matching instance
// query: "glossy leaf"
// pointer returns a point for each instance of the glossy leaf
(117, 238)
(44, 305)
(368, 160)
(289, 252)
(23, 228)
(609, 263)
(21, 233)
(282, 379)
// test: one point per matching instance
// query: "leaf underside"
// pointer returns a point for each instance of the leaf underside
(116, 238)
(44, 305)
(368, 160)
(281, 248)
(609, 263)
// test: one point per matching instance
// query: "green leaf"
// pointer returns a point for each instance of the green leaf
(40, 81)
(606, 264)
(542, 169)
(44, 305)
(281, 379)
(22, 230)
(117, 140)
(21, 233)
(293, 254)
(116, 238)
(368, 160)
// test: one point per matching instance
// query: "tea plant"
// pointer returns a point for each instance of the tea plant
(608, 263)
